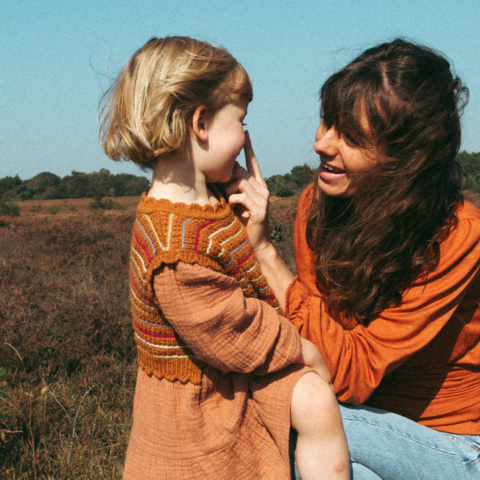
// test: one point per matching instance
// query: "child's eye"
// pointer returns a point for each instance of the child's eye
(244, 124)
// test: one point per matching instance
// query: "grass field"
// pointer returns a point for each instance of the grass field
(66, 340)
(66, 346)
(73, 207)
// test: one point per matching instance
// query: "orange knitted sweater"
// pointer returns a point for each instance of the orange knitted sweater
(165, 233)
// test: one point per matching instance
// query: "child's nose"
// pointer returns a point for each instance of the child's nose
(326, 141)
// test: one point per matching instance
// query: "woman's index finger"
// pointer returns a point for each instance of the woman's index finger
(251, 160)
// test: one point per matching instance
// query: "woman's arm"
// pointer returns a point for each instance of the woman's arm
(249, 196)
(278, 274)
(359, 357)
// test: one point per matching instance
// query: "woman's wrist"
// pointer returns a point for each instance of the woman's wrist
(278, 275)
(266, 252)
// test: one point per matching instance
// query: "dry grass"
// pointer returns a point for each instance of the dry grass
(66, 339)
(66, 345)
(73, 207)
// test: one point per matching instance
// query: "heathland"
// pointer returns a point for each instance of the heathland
(67, 355)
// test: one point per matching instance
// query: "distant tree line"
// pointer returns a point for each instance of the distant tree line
(292, 183)
(100, 184)
(47, 185)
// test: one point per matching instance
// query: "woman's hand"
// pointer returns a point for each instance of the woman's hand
(312, 358)
(248, 195)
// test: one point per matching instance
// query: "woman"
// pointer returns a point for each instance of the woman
(388, 262)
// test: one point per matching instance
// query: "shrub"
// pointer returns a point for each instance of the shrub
(277, 231)
(9, 208)
(72, 208)
(107, 204)
(53, 210)
(35, 208)
(285, 191)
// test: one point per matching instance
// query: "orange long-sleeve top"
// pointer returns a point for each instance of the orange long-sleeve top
(420, 359)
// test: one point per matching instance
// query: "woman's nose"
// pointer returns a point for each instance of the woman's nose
(326, 141)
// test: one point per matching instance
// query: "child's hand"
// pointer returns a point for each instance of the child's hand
(312, 358)
(248, 194)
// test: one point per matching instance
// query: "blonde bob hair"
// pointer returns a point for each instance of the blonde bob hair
(144, 113)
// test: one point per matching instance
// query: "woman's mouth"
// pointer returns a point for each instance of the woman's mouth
(330, 169)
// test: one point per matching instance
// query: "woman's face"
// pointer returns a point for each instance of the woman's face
(342, 162)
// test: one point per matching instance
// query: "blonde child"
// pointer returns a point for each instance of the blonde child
(223, 375)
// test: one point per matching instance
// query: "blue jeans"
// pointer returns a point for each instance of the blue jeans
(386, 446)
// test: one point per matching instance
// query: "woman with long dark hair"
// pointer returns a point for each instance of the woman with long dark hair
(388, 264)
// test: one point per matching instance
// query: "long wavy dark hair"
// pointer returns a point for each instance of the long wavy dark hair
(371, 247)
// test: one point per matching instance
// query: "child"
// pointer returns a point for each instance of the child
(222, 374)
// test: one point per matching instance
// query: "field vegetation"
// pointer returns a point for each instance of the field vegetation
(66, 346)
(67, 355)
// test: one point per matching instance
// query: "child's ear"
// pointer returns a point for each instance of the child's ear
(199, 123)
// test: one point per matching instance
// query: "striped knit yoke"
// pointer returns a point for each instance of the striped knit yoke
(166, 233)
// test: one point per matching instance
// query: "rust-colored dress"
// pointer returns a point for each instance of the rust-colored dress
(235, 424)
(421, 359)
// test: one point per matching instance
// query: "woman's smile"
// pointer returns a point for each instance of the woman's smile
(329, 170)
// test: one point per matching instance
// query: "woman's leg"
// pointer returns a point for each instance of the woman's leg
(322, 451)
(394, 447)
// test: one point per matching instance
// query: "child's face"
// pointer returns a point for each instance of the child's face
(226, 140)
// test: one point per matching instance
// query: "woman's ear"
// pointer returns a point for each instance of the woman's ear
(199, 123)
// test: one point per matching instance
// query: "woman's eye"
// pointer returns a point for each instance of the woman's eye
(244, 124)
(350, 140)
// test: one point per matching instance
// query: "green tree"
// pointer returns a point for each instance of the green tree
(470, 163)
(8, 186)
(285, 191)
(292, 183)
(44, 185)
(300, 177)
(44, 180)
(74, 185)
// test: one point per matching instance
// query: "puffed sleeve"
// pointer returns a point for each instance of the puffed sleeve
(224, 329)
(358, 357)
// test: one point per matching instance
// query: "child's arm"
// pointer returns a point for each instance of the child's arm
(221, 326)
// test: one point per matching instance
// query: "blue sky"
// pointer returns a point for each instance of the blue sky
(57, 55)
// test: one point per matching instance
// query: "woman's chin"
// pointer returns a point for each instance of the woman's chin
(336, 186)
